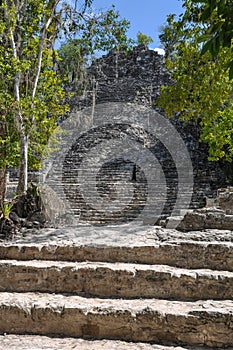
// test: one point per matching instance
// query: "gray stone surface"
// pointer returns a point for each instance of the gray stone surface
(152, 283)
(217, 216)
(125, 243)
(204, 218)
(225, 199)
(115, 280)
(199, 323)
(135, 78)
(29, 342)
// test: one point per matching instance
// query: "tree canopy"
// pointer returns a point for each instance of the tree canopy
(32, 94)
(97, 32)
(202, 90)
(218, 35)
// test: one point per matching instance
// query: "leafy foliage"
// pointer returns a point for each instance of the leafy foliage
(218, 16)
(6, 209)
(101, 31)
(144, 39)
(32, 86)
(170, 35)
(31, 95)
(202, 90)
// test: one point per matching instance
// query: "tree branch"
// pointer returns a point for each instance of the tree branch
(41, 47)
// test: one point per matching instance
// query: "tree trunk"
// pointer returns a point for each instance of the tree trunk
(23, 168)
(2, 186)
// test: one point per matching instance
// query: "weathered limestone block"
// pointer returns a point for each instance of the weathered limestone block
(204, 218)
(219, 214)
(29, 342)
(88, 284)
(225, 199)
(145, 320)
(116, 280)
(210, 249)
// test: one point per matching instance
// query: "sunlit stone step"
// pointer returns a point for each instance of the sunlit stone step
(115, 280)
(199, 323)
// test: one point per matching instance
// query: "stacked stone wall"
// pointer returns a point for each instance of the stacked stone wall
(133, 78)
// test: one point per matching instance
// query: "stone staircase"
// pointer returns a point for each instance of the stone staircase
(150, 289)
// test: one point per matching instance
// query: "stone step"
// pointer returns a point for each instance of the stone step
(201, 323)
(36, 342)
(186, 254)
(115, 280)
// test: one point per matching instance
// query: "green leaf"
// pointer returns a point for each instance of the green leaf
(201, 91)
(206, 14)
(203, 38)
(215, 46)
(207, 47)
(221, 7)
(231, 71)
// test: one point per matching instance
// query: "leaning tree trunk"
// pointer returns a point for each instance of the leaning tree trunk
(23, 168)
(3, 167)
(3, 184)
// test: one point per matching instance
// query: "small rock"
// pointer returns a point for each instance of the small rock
(27, 224)
(36, 224)
(14, 217)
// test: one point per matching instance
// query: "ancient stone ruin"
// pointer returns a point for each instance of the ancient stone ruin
(128, 286)
(217, 215)
(126, 86)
